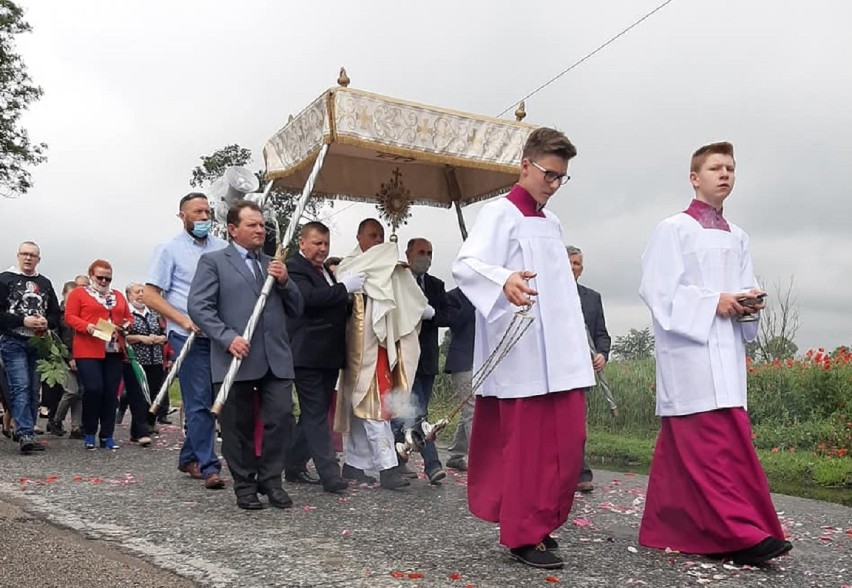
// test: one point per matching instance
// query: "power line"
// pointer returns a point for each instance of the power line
(556, 77)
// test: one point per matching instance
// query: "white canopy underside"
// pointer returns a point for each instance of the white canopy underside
(442, 155)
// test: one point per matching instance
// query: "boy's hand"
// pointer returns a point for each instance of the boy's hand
(517, 290)
(729, 306)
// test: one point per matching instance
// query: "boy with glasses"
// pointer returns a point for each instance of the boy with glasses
(526, 445)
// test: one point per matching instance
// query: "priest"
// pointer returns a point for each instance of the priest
(382, 351)
(707, 492)
(526, 444)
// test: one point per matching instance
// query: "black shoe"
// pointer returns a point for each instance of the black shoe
(537, 556)
(302, 477)
(76, 434)
(119, 416)
(249, 502)
(278, 498)
(435, 476)
(335, 485)
(761, 553)
(164, 421)
(352, 473)
(550, 543)
(391, 479)
(26, 444)
(55, 428)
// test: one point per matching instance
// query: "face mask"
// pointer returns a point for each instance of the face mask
(201, 228)
(421, 265)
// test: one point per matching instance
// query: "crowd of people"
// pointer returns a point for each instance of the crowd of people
(357, 337)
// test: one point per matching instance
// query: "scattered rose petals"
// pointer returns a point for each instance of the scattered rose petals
(584, 522)
(309, 508)
(346, 532)
(397, 574)
(455, 576)
(415, 575)
(632, 549)
(552, 579)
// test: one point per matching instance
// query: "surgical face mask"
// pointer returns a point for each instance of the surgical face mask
(201, 228)
(421, 265)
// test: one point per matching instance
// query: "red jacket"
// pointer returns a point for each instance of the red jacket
(81, 310)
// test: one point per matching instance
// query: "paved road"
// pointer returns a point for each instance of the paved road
(128, 518)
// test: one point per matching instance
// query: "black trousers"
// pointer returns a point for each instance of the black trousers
(315, 389)
(100, 378)
(141, 421)
(250, 471)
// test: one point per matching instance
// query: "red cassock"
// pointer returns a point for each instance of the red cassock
(707, 492)
(524, 462)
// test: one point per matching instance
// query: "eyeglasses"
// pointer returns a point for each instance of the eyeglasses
(29, 255)
(106, 279)
(551, 176)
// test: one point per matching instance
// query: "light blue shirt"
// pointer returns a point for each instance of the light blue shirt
(173, 267)
(244, 253)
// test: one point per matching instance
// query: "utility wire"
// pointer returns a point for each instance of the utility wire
(556, 77)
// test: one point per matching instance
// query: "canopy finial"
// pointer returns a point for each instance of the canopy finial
(343, 79)
(521, 112)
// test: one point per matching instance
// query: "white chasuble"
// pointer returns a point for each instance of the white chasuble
(700, 356)
(553, 355)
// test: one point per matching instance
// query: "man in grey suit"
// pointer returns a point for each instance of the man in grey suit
(593, 316)
(224, 290)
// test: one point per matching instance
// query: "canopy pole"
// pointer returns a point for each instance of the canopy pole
(222, 397)
(455, 196)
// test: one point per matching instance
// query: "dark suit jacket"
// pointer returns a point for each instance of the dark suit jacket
(436, 294)
(221, 299)
(318, 337)
(593, 314)
(461, 317)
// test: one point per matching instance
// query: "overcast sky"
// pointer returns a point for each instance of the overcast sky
(135, 93)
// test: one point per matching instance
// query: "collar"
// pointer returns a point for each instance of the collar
(17, 270)
(524, 201)
(707, 216)
(244, 253)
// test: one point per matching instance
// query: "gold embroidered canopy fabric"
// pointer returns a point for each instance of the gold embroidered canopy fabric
(441, 155)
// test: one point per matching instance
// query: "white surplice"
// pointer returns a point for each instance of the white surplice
(700, 355)
(553, 355)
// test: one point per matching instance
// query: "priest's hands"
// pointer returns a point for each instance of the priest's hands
(428, 313)
(353, 283)
(517, 290)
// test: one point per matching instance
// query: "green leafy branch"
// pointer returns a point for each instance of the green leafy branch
(52, 364)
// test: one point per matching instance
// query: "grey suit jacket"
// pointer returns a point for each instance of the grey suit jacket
(221, 299)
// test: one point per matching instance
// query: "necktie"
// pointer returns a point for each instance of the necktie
(258, 273)
(421, 282)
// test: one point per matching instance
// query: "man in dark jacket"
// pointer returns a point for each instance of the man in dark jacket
(318, 341)
(462, 321)
(593, 315)
(419, 256)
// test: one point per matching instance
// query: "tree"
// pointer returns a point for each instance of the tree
(634, 345)
(17, 92)
(779, 323)
(280, 203)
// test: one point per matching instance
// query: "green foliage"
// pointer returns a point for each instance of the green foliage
(51, 365)
(633, 385)
(17, 92)
(635, 345)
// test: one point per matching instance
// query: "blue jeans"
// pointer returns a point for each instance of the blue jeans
(19, 360)
(196, 392)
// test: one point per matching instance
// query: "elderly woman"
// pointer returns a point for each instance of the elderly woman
(146, 337)
(98, 314)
